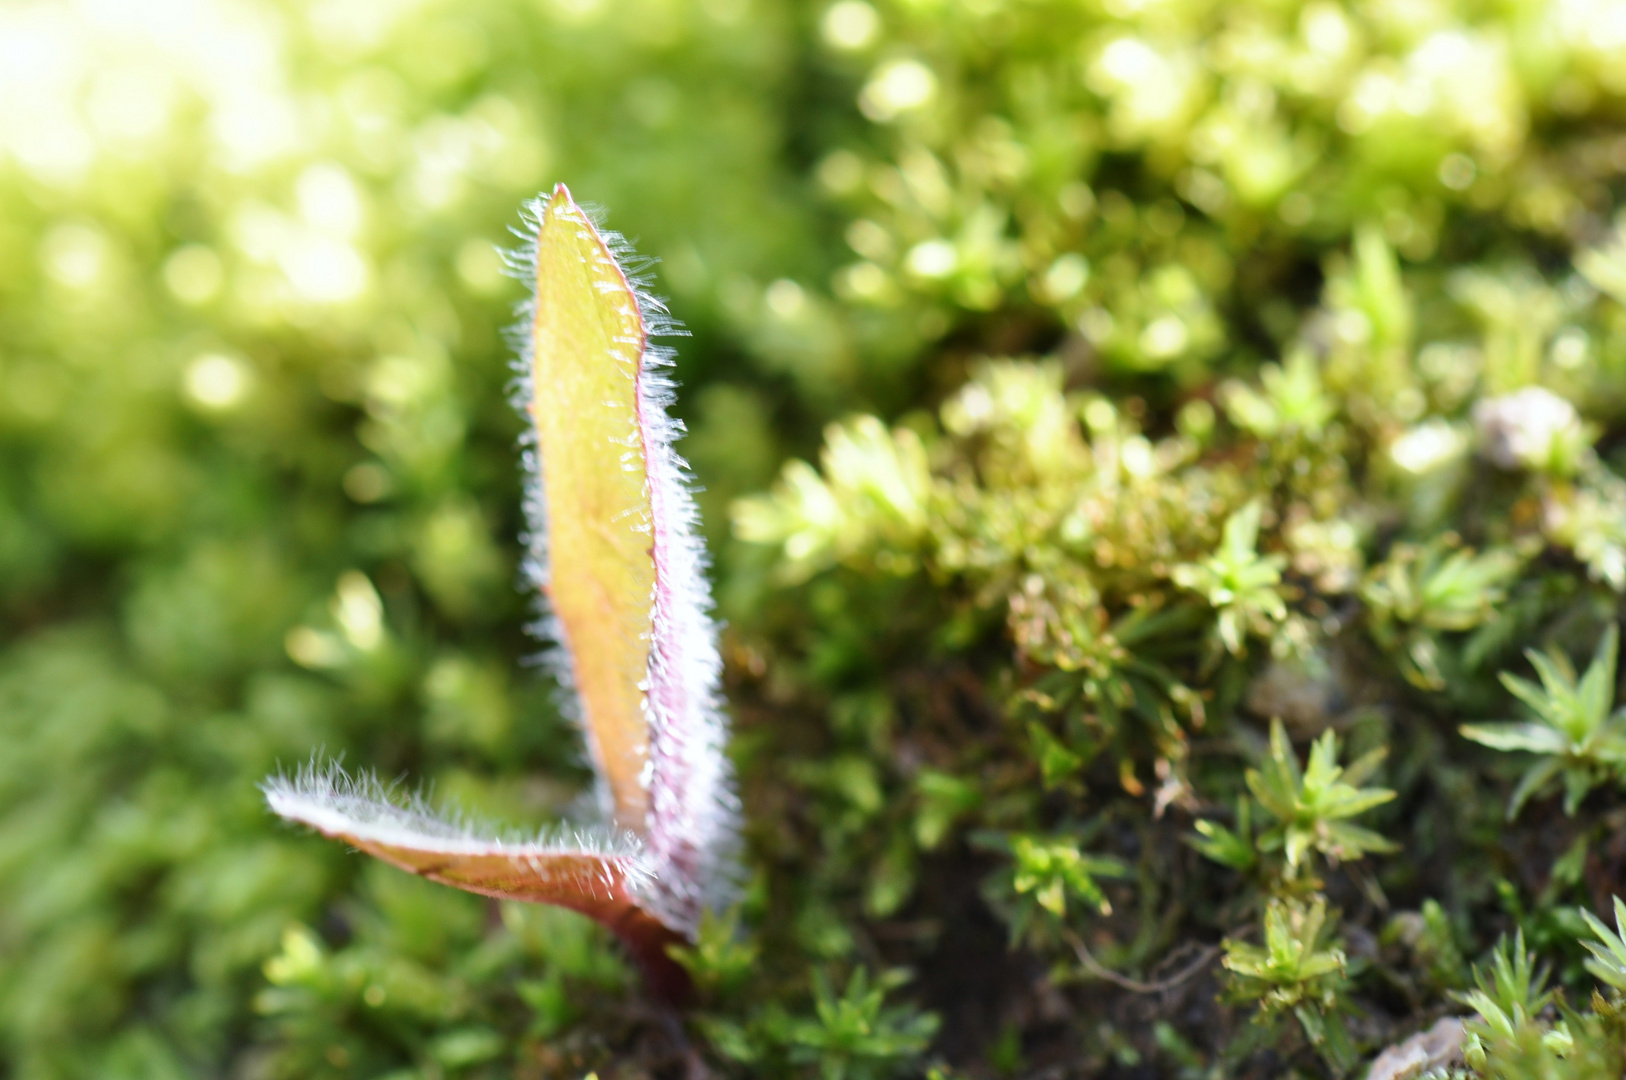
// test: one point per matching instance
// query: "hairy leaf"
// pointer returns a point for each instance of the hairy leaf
(605, 875)
(587, 344)
(615, 553)
(600, 874)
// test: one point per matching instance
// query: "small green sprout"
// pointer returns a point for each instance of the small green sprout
(1512, 992)
(1608, 961)
(1291, 967)
(1436, 946)
(1454, 591)
(1051, 869)
(721, 962)
(1293, 397)
(1237, 849)
(1057, 761)
(1508, 998)
(1241, 585)
(1312, 806)
(1421, 591)
(870, 503)
(943, 800)
(1581, 737)
(1298, 970)
(856, 1036)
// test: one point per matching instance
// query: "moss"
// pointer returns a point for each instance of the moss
(1136, 376)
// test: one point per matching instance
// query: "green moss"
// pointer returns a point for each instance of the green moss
(1148, 374)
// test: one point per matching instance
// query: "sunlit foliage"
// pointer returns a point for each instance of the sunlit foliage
(1078, 390)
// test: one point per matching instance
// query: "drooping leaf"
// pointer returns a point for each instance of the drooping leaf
(590, 872)
(603, 874)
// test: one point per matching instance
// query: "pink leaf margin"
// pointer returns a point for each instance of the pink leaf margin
(650, 885)
(692, 831)
(362, 809)
(603, 874)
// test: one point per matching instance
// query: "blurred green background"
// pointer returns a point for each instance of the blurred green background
(259, 484)
(259, 490)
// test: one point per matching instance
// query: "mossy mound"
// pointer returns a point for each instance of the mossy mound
(1179, 644)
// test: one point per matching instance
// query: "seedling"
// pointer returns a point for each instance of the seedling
(1578, 735)
(1299, 969)
(1243, 586)
(1310, 808)
(1608, 961)
(615, 554)
(1297, 965)
(1509, 994)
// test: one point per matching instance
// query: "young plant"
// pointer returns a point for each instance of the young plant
(1311, 807)
(1296, 970)
(1524, 1029)
(615, 554)
(1508, 998)
(1293, 398)
(1577, 731)
(1242, 586)
(1425, 590)
(1608, 961)
(1052, 869)
(856, 1035)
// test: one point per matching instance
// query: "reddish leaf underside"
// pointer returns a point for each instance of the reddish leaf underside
(597, 883)
(604, 885)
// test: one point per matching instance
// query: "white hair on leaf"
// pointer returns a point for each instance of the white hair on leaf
(594, 871)
(327, 798)
(691, 831)
(651, 880)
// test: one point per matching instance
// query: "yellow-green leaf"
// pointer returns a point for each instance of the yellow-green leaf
(587, 343)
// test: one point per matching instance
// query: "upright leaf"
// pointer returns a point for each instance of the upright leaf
(615, 553)
(593, 528)
(624, 572)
